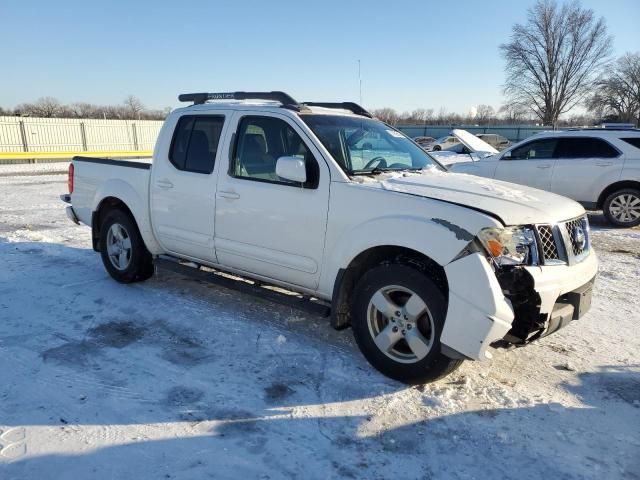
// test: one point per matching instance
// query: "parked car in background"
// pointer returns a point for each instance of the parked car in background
(427, 267)
(496, 141)
(448, 142)
(425, 142)
(469, 147)
(600, 168)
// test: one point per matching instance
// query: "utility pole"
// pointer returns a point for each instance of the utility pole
(360, 81)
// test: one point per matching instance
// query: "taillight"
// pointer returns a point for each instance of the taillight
(70, 178)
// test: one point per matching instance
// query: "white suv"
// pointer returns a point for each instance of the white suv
(600, 168)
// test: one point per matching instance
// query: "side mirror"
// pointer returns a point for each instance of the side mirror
(292, 169)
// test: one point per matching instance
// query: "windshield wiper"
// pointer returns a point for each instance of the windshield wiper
(373, 171)
(378, 170)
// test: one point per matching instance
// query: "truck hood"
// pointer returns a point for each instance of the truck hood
(512, 204)
(473, 143)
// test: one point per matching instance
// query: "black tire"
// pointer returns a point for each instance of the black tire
(613, 204)
(139, 262)
(436, 148)
(434, 365)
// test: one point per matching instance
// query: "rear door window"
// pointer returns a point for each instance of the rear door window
(584, 147)
(195, 143)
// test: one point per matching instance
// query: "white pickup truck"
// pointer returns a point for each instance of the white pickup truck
(428, 267)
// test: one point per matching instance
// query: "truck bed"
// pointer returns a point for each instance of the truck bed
(98, 178)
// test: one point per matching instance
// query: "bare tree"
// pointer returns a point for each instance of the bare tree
(43, 107)
(419, 115)
(387, 115)
(50, 107)
(484, 114)
(442, 117)
(514, 112)
(134, 106)
(618, 94)
(555, 58)
(84, 110)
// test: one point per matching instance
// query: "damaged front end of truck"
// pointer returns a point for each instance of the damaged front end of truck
(542, 279)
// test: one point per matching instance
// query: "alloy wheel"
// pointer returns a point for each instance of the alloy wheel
(400, 324)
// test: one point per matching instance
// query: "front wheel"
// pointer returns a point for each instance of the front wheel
(123, 252)
(622, 208)
(397, 317)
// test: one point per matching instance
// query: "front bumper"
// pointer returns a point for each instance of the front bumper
(512, 307)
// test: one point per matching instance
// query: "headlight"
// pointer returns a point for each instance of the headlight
(510, 245)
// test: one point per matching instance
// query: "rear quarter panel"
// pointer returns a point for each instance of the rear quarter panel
(94, 182)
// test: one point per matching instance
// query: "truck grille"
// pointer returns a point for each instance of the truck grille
(566, 242)
(548, 242)
(577, 231)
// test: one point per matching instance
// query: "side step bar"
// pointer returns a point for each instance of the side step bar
(247, 286)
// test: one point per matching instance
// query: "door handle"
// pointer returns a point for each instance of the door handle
(229, 195)
(165, 184)
(604, 164)
(544, 166)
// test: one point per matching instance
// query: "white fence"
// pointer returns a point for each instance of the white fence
(28, 134)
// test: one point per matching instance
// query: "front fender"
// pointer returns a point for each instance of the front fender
(438, 238)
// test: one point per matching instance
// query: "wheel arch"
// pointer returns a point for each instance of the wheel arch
(107, 204)
(347, 278)
(616, 186)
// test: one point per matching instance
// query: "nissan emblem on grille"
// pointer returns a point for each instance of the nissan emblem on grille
(579, 237)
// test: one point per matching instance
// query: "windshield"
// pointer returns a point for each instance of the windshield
(363, 145)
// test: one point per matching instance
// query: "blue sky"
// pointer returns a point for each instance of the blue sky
(414, 54)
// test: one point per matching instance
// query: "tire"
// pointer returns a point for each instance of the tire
(436, 148)
(391, 288)
(123, 252)
(622, 208)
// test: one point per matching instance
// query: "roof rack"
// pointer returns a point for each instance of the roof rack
(602, 129)
(351, 106)
(285, 99)
(199, 98)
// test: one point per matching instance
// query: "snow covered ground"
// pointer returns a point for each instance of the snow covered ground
(172, 378)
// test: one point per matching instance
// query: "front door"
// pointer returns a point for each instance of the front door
(267, 225)
(530, 164)
(183, 187)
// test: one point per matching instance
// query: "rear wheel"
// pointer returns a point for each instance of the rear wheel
(622, 208)
(123, 252)
(397, 317)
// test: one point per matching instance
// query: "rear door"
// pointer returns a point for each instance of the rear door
(183, 186)
(584, 167)
(267, 225)
(529, 164)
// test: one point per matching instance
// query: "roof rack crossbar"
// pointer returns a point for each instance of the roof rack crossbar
(351, 106)
(200, 98)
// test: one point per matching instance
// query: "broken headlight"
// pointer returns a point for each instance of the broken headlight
(510, 245)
